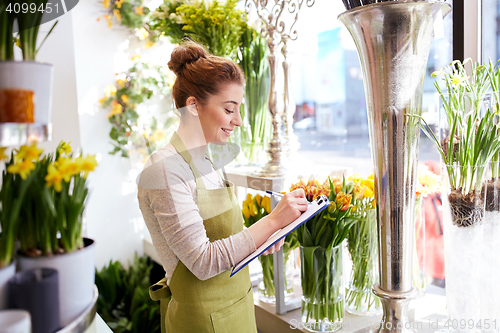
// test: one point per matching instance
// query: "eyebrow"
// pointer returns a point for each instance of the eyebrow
(232, 102)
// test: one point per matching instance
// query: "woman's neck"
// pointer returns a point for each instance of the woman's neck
(193, 139)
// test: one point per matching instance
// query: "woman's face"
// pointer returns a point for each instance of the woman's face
(221, 113)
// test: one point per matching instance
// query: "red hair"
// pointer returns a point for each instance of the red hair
(200, 74)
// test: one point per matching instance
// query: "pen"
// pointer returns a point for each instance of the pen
(278, 194)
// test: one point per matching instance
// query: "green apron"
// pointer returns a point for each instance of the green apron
(221, 303)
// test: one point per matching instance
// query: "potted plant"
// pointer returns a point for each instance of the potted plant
(52, 191)
(21, 82)
(468, 142)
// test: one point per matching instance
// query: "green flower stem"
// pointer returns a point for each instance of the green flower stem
(321, 274)
(362, 245)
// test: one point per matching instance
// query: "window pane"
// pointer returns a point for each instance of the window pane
(331, 120)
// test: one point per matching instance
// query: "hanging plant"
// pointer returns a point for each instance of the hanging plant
(133, 126)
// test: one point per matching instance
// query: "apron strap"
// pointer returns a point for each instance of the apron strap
(161, 292)
(181, 148)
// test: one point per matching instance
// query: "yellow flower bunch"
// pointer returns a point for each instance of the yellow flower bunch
(255, 208)
(65, 167)
(363, 190)
(24, 160)
(428, 182)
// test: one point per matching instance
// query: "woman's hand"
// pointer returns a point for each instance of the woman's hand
(275, 248)
(288, 210)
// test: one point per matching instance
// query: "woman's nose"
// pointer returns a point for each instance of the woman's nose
(237, 119)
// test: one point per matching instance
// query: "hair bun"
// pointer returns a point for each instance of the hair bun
(184, 54)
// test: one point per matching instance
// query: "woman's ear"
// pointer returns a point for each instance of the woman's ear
(191, 106)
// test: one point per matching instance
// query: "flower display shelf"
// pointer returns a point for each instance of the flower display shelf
(18, 134)
(85, 319)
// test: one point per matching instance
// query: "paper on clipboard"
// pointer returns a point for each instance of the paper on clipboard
(314, 208)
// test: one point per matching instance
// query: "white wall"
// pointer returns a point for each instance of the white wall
(113, 217)
(58, 51)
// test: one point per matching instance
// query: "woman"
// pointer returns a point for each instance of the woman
(192, 214)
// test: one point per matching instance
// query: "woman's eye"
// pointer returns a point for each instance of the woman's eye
(229, 111)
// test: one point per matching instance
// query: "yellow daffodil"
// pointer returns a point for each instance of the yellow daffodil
(370, 177)
(22, 168)
(116, 13)
(142, 33)
(86, 164)
(355, 178)
(2, 153)
(125, 99)
(110, 90)
(120, 83)
(105, 3)
(149, 44)
(118, 3)
(65, 148)
(53, 178)
(66, 168)
(139, 10)
(28, 153)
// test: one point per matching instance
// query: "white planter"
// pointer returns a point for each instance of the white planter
(30, 75)
(76, 278)
(6, 274)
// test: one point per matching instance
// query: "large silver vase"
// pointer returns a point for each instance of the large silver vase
(393, 40)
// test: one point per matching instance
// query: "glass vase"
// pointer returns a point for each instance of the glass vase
(255, 153)
(266, 286)
(419, 247)
(322, 289)
(463, 216)
(363, 250)
(490, 288)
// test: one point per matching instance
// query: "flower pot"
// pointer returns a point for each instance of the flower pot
(463, 216)
(363, 250)
(76, 278)
(25, 92)
(322, 288)
(37, 291)
(6, 274)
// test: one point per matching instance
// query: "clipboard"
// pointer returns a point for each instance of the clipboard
(313, 208)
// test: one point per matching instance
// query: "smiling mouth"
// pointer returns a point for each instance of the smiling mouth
(228, 132)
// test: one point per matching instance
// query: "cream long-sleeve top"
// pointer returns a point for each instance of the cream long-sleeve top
(167, 199)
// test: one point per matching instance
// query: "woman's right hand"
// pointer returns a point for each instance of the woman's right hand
(286, 211)
(289, 208)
